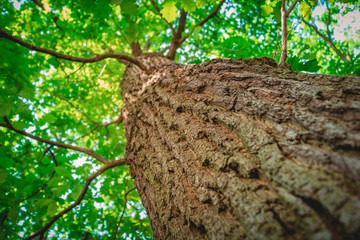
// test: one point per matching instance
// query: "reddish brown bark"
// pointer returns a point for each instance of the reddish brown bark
(244, 149)
(136, 49)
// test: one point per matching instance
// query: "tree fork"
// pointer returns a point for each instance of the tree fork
(243, 149)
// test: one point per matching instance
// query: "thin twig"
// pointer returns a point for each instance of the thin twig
(158, 10)
(284, 16)
(291, 8)
(44, 154)
(97, 58)
(88, 133)
(63, 70)
(212, 14)
(328, 21)
(76, 70)
(72, 105)
(175, 41)
(277, 37)
(122, 214)
(284, 34)
(45, 184)
(77, 109)
(327, 40)
(164, 50)
(292, 28)
(107, 166)
(55, 19)
(201, 23)
(62, 145)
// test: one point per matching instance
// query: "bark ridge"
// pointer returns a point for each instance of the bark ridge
(244, 149)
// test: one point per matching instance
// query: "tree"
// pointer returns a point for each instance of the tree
(224, 149)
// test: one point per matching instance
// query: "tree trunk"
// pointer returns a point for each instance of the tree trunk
(243, 149)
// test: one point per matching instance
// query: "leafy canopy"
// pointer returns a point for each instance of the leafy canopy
(77, 104)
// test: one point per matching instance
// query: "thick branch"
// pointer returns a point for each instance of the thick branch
(136, 49)
(182, 22)
(122, 214)
(327, 40)
(37, 2)
(175, 41)
(109, 165)
(62, 145)
(121, 56)
(291, 8)
(284, 15)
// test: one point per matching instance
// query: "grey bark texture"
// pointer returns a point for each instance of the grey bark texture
(244, 149)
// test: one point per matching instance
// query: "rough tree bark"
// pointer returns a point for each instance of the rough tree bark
(244, 149)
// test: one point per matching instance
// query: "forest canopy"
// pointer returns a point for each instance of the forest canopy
(62, 143)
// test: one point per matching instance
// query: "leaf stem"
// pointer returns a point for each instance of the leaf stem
(122, 213)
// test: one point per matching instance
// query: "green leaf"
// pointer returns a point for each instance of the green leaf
(54, 182)
(19, 125)
(357, 72)
(2, 175)
(62, 171)
(197, 29)
(13, 213)
(277, 12)
(309, 56)
(60, 190)
(49, 118)
(188, 5)
(311, 66)
(46, 160)
(5, 108)
(43, 204)
(51, 208)
(6, 162)
(129, 7)
(298, 65)
(115, 2)
(200, 3)
(169, 11)
(28, 92)
(305, 10)
(76, 192)
(28, 189)
(266, 10)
